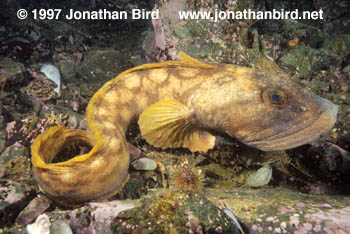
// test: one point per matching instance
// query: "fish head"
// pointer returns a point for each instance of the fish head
(266, 110)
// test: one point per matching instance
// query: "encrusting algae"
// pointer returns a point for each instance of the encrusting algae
(177, 104)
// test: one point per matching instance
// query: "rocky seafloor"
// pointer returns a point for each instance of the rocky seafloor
(231, 189)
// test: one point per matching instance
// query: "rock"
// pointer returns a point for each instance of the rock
(178, 212)
(95, 217)
(13, 198)
(329, 162)
(101, 65)
(16, 168)
(261, 177)
(306, 60)
(12, 152)
(41, 225)
(338, 44)
(68, 65)
(273, 210)
(144, 164)
(68, 70)
(12, 71)
(41, 89)
(200, 38)
(35, 207)
(134, 152)
(60, 227)
(2, 140)
(335, 10)
(52, 73)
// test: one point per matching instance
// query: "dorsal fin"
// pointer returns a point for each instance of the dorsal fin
(186, 61)
(185, 57)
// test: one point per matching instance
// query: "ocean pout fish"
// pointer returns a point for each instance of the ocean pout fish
(177, 104)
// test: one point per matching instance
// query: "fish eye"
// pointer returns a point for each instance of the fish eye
(274, 96)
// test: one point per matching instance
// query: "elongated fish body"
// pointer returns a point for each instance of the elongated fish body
(177, 104)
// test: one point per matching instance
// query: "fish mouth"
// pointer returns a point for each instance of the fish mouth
(309, 132)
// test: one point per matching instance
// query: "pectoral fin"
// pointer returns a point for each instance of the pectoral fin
(170, 124)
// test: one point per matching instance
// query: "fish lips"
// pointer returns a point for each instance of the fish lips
(311, 131)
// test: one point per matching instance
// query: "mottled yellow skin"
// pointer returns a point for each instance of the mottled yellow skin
(216, 98)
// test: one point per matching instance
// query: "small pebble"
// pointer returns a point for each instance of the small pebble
(52, 73)
(317, 228)
(60, 227)
(283, 225)
(144, 164)
(254, 227)
(261, 177)
(41, 225)
(307, 226)
(35, 207)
